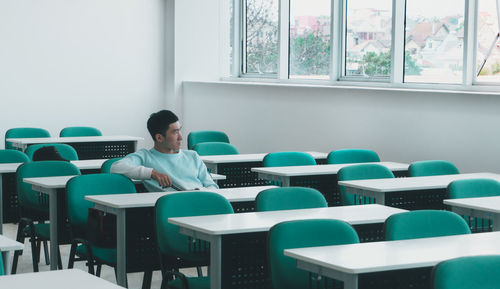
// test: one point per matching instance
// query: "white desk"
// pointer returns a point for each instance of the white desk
(485, 208)
(348, 262)
(51, 186)
(321, 177)
(87, 147)
(118, 204)
(62, 279)
(6, 246)
(217, 227)
(394, 192)
(237, 167)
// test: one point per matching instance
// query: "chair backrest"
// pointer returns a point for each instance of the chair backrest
(289, 198)
(285, 159)
(66, 151)
(347, 156)
(215, 148)
(199, 203)
(24, 132)
(432, 168)
(92, 184)
(467, 272)
(300, 234)
(28, 198)
(106, 166)
(79, 131)
(473, 188)
(360, 172)
(196, 137)
(424, 224)
(13, 156)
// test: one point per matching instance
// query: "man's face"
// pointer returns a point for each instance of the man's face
(171, 141)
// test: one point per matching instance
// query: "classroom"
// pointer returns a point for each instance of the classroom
(110, 64)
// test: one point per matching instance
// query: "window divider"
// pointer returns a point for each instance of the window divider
(336, 39)
(398, 41)
(470, 40)
(284, 39)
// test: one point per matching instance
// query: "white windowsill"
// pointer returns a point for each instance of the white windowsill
(446, 89)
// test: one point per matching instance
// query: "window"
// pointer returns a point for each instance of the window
(261, 37)
(310, 39)
(488, 45)
(368, 38)
(434, 47)
(413, 43)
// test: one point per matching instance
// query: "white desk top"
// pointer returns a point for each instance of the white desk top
(263, 221)
(241, 158)
(123, 201)
(292, 171)
(395, 255)
(59, 182)
(486, 204)
(42, 140)
(60, 279)
(81, 164)
(415, 183)
(7, 244)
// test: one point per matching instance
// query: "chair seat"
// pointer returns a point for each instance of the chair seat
(105, 255)
(193, 283)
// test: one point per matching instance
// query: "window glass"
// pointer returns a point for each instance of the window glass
(434, 41)
(488, 45)
(261, 37)
(368, 38)
(310, 39)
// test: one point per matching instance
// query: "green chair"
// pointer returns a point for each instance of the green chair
(215, 148)
(285, 159)
(106, 166)
(474, 188)
(79, 131)
(13, 156)
(424, 224)
(178, 250)
(432, 168)
(467, 272)
(347, 156)
(360, 172)
(33, 206)
(78, 208)
(2, 270)
(289, 198)
(24, 132)
(196, 137)
(300, 234)
(66, 151)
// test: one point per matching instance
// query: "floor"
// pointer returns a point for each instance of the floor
(25, 264)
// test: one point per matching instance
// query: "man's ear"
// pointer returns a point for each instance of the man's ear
(158, 137)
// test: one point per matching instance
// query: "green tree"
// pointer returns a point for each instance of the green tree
(373, 64)
(309, 55)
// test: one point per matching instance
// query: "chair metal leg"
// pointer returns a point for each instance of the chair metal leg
(34, 256)
(72, 253)
(46, 253)
(20, 239)
(59, 261)
(146, 280)
(199, 271)
(98, 272)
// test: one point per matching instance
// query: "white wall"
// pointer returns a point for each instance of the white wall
(400, 126)
(81, 62)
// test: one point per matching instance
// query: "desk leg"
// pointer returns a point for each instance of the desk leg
(121, 252)
(351, 282)
(53, 228)
(215, 262)
(285, 182)
(1, 204)
(6, 262)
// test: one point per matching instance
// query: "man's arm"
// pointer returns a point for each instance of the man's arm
(204, 176)
(131, 166)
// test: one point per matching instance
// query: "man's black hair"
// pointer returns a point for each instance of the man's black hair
(159, 122)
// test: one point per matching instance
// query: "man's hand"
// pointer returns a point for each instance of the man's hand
(162, 179)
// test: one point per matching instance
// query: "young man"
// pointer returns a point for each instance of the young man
(165, 166)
